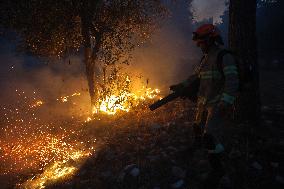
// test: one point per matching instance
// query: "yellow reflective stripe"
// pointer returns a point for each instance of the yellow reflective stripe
(233, 67)
(208, 77)
(231, 72)
(210, 74)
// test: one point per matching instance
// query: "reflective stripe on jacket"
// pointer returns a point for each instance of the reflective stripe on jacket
(214, 85)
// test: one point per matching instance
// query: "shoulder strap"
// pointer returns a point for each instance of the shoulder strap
(219, 61)
(198, 67)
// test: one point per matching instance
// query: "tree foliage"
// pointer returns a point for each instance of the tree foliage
(54, 28)
(108, 30)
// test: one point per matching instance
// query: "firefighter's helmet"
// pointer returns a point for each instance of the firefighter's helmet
(207, 32)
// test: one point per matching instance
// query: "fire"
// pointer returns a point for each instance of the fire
(122, 99)
(125, 101)
(112, 104)
(54, 148)
(58, 170)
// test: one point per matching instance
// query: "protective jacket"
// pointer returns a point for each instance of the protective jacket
(217, 85)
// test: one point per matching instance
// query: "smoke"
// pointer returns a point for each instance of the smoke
(171, 55)
(166, 60)
(208, 10)
(37, 80)
(169, 58)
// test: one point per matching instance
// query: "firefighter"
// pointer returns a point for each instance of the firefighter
(219, 83)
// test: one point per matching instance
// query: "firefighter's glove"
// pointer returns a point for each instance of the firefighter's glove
(177, 87)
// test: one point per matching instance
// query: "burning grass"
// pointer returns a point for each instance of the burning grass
(118, 94)
(53, 150)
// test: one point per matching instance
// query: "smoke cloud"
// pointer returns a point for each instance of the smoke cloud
(171, 55)
(208, 10)
(169, 58)
(36, 80)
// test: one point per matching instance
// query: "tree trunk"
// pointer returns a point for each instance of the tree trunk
(90, 53)
(88, 60)
(242, 40)
(90, 74)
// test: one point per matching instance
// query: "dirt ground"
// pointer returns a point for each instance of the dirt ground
(149, 151)
(157, 155)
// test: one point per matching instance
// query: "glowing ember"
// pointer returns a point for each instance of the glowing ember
(88, 119)
(53, 148)
(37, 104)
(28, 143)
(37, 152)
(58, 170)
(65, 98)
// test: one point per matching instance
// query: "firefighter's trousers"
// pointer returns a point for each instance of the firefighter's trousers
(211, 124)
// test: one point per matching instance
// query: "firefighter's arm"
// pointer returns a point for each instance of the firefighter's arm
(184, 84)
(231, 86)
